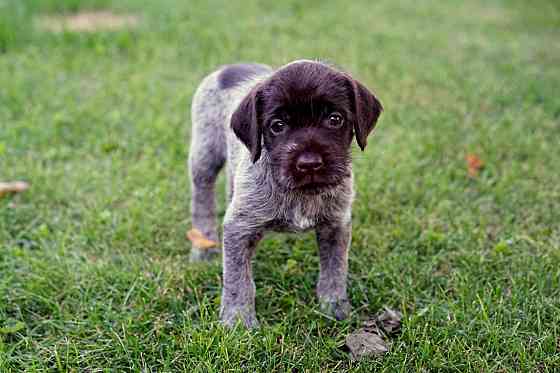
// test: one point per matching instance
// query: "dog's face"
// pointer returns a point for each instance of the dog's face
(306, 115)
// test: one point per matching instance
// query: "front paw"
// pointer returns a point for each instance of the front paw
(231, 315)
(338, 308)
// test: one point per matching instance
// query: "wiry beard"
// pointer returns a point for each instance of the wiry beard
(337, 168)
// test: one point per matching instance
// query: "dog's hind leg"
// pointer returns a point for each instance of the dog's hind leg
(207, 156)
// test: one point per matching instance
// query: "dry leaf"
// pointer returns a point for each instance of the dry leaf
(13, 187)
(474, 164)
(362, 343)
(389, 320)
(199, 240)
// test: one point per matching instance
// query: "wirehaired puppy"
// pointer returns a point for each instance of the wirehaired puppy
(286, 135)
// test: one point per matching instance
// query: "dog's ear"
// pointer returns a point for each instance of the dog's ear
(367, 110)
(246, 123)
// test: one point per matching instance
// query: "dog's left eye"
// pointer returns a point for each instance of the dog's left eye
(277, 127)
(335, 120)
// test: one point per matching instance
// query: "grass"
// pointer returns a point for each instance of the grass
(93, 268)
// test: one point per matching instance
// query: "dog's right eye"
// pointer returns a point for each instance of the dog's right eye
(277, 127)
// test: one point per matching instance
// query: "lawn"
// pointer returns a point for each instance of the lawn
(93, 257)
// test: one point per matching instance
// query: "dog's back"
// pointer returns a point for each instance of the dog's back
(212, 142)
(221, 90)
(233, 75)
(213, 102)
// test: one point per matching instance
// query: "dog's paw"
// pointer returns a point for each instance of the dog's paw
(232, 316)
(339, 309)
(203, 255)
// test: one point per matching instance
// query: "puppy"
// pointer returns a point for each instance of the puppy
(286, 135)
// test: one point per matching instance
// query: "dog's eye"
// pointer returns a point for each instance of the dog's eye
(277, 127)
(335, 120)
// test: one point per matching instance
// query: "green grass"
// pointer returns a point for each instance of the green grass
(17, 17)
(93, 268)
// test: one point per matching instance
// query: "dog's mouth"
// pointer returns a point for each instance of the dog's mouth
(316, 182)
(313, 184)
(315, 188)
(328, 176)
(309, 184)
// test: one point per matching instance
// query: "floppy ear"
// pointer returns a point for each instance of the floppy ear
(246, 125)
(367, 109)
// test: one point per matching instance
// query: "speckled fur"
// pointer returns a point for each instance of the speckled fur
(257, 204)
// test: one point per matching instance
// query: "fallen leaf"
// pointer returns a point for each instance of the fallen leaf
(13, 187)
(199, 240)
(389, 320)
(474, 164)
(362, 343)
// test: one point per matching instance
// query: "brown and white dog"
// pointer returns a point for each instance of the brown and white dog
(286, 135)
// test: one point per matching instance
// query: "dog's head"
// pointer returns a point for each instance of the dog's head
(305, 115)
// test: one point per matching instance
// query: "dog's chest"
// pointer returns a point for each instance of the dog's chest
(302, 213)
(303, 219)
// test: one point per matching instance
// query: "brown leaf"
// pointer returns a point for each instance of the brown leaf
(362, 343)
(199, 240)
(13, 187)
(384, 323)
(389, 320)
(474, 164)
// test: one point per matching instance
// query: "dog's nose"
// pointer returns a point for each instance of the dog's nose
(307, 162)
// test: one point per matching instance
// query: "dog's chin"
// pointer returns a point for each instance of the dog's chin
(310, 184)
(314, 184)
(313, 188)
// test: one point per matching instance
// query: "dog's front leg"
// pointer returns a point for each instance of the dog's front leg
(238, 293)
(334, 241)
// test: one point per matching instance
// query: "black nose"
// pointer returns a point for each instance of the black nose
(307, 162)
